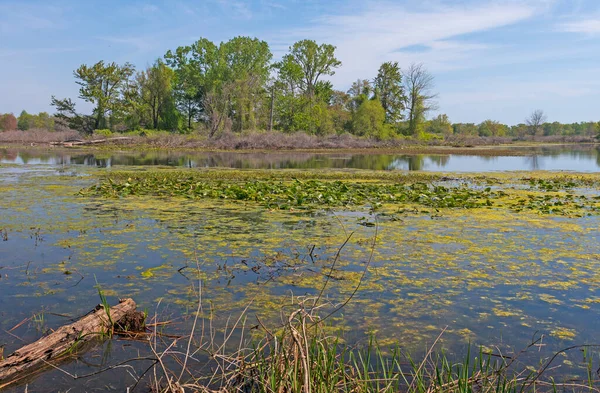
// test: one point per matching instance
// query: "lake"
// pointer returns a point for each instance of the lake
(584, 158)
(494, 276)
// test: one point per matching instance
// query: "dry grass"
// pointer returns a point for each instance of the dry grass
(37, 136)
(280, 141)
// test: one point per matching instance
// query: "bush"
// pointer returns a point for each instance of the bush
(106, 133)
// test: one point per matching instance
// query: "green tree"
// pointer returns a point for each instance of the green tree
(390, 92)
(103, 85)
(24, 121)
(440, 125)
(301, 98)
(492, 128)
(464, 129)
(246, 68)
(43, 120)
(418, 83)
(314, 61)
(359, 92)
(67, 116)
(154, 92)
(369, 119)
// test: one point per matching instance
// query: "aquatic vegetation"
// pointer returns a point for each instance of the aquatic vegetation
(493, 274)
(289, 190)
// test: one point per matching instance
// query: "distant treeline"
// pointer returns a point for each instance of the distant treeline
(235, 86)
(439, 126)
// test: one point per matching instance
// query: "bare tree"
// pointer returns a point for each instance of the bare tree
(418, 85)
(535, 121)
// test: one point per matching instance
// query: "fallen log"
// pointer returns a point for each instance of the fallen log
(62, 342)
(91, 142)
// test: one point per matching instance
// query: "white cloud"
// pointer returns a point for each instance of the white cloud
(584, 26)
(378, 32)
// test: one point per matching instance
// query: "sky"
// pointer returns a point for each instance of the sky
(491, 59)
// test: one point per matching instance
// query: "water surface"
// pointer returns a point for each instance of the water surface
(584, 158)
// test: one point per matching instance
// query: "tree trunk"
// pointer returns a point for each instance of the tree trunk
(59, 345)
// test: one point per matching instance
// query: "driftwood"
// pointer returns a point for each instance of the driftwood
(56, 346)
(79, 142)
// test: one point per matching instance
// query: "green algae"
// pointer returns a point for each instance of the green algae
(485, 271)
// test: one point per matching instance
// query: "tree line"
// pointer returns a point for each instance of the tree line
(235, 86)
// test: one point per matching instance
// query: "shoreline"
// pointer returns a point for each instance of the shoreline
(520, 149)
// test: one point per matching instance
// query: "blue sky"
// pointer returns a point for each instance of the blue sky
(497, 59)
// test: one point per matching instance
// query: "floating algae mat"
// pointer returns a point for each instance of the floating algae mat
(493, 259)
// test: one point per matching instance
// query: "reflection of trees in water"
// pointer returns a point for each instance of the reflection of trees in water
(415, 163)
(9, 155)
(280, 160)
(440, 161)
(534, 162)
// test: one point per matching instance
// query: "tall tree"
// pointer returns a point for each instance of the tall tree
(155, 93)
(535, 121)
(390, 92)
(246, 67)
(418, 85)
(314, 61)
(103, 85)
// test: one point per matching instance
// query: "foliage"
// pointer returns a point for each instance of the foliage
(491, 128)
(439, 125)
(104, 85)
(310, 61)
(8, 122)
(285, 192)
(369, 119)
(390, 91)
(67, 116)
(151, 97)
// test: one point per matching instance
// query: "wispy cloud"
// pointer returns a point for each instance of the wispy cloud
(379, 31)
(238, 8)
(584, 26)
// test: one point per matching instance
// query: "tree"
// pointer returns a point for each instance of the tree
(418, 83)
(154, 91)
(390, 92)
(8, 122)
(313, 61)
(440, 125)
(491, 128)
(103, 85)
(246, 67)
(191, 64)
(24, 121)
(535, 120)
(301, 98)
(68, 117)
(464, 128)
(359, 92)
(369, 120)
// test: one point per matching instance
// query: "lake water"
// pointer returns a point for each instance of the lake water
(555, 158)
(488, 277)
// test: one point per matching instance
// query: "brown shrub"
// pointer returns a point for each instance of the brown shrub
(37, 136)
